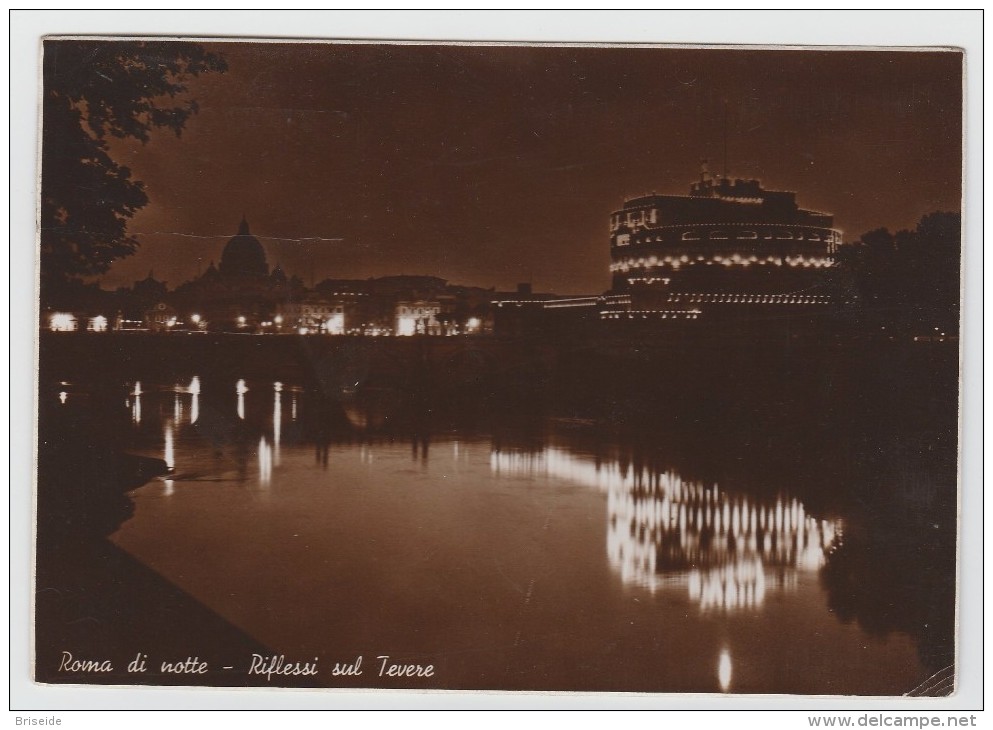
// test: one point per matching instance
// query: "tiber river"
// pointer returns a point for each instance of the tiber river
(544, 553)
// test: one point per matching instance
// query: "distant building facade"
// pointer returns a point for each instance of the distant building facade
(161, 318)
(419, 317)
(312, 314)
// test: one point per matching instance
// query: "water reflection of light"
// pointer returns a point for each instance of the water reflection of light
(365, 454)
(177, 410)
(169, 487)
(136, 409)
(63, 397)
(736, 585)
(726, 550)
(293, 408)
(168, 454)
(265, 461)
(724, 670)
(240, 388)
(277, 420)
(195, 408)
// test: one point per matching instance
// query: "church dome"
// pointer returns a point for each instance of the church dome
(243, 255)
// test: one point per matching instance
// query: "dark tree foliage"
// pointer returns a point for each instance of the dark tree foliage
(907, 280)
(95, 90)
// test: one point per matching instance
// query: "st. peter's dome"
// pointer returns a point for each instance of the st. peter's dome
(243, 256)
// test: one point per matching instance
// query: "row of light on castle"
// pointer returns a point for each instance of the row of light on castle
(750, 298)
(676, 262)
(650, 314)
(797, 234)
(664, 531)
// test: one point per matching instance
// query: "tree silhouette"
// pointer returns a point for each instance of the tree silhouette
(907, 280)
(94, 90)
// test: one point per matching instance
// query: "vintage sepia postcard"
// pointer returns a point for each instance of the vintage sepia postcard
(466, 366)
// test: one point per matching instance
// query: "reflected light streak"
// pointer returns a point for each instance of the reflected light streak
(663, 531)
(168, 454)
(241, 389)
(265, 461)
(136, 410)
(195, 408)
(277, 423)
(724, 670)
(169, 487)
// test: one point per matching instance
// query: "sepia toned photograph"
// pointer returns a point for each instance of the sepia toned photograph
(509, 367)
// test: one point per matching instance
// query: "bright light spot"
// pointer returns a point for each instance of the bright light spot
(63, 396)
(240, 388)
(335, 325)
(195, 318)
(277, 386)
(724, 670)
(278, 319)
(406, 326)
(304, 331)
(194, 386)
(62, 322)
(241, 321)
(98, 324)
(473, 323)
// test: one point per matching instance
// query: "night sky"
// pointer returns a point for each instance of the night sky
(490, 165)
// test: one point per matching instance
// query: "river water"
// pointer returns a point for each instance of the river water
(541, 552)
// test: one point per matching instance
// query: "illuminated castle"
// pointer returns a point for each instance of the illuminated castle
(729, 242)
(729, 249)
